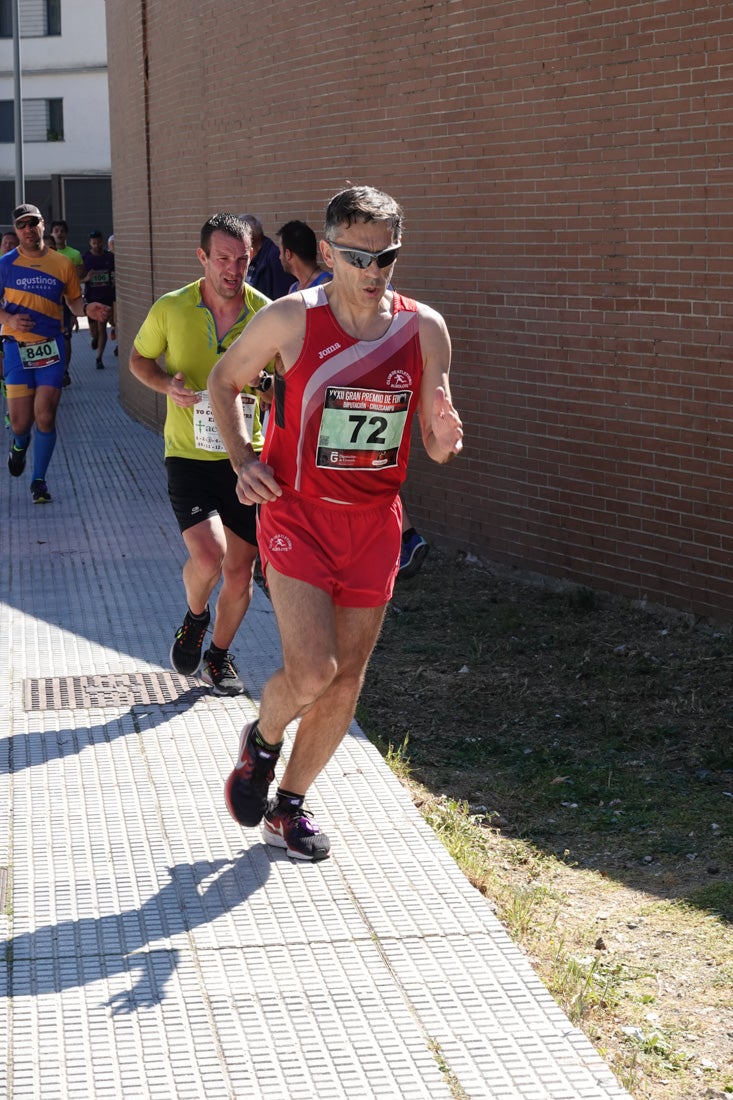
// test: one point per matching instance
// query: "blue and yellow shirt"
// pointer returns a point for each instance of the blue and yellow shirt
(37, 285)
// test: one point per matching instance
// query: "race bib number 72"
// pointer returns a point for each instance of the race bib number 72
(361, 429)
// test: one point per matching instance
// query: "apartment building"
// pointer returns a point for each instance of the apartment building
(65, 116)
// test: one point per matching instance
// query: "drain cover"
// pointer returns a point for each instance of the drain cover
(85, 692)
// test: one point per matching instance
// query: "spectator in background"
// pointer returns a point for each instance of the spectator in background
(113, 327)
(99, 286)
(60, 233)
(414, 548)
(50, 242)
(299, 256)
(265, 270)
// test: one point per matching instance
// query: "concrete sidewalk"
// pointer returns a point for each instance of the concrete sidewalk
(153, 949)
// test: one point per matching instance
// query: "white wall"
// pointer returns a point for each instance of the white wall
(72, 67)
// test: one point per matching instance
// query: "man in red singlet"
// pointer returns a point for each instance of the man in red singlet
(355, 361)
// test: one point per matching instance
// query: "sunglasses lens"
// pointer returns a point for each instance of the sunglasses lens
(359, 259)
(387, 258)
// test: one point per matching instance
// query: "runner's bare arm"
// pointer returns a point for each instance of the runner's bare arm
(276, 331)
(440, 424)
(81, 308)
(152, 375)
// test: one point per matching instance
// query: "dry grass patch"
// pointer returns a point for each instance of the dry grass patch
(574, 753)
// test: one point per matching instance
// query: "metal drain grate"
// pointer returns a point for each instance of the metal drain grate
(84, 692)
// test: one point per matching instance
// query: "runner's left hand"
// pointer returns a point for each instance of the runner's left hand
(446, 423)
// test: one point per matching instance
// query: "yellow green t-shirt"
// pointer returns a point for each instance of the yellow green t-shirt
(72, 254)
(181, 328)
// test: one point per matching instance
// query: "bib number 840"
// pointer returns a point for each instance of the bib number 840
(39, 351)
(43, 354)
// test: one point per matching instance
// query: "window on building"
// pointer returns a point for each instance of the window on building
(7, 121)
(43, 120)
(38, 18)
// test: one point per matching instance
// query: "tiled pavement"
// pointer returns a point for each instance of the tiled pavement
(152, 948)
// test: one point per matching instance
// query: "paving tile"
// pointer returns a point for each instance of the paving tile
(155, 949)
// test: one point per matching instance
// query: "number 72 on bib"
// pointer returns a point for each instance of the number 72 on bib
(361, 429)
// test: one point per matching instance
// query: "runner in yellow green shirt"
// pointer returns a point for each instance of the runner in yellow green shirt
(175, 350)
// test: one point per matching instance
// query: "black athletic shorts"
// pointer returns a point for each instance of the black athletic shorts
(200, 489)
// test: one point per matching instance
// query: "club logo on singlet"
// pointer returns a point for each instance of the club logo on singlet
(280, 544)
(399, 379)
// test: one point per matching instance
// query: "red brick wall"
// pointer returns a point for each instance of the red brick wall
(565, 171)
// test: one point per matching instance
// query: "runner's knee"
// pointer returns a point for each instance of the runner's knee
(312, 677)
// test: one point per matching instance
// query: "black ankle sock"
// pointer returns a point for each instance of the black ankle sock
(204, 614)
(290, 800)
(261, 743)
(216, 652)
(408, 534)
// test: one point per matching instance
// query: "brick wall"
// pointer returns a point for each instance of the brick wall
(565, 171)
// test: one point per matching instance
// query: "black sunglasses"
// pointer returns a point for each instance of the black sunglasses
(358, 257)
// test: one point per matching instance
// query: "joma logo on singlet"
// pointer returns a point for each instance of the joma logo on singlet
(328, 351)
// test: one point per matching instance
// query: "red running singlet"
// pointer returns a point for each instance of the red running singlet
(340, 428)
